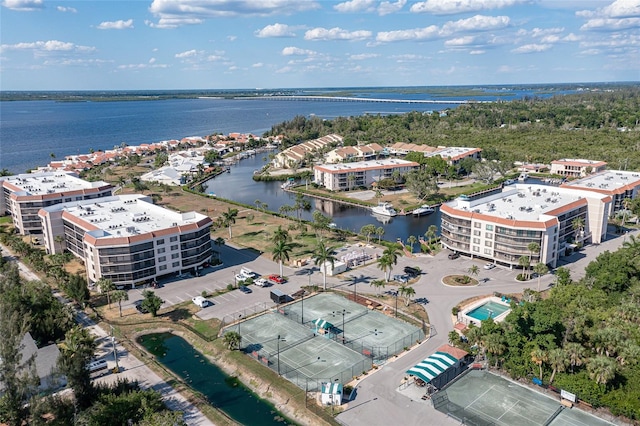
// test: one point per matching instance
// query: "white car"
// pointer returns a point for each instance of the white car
(489, 266)
(200, 301)
(241, 277)
(261, 282)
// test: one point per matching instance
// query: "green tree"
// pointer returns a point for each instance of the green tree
(540, 269)
(473, 270)
(525, 262)
(378, 284)
(367, 230)
(232, 340)
(321, 256)
(407, 292)
(576, 354)
(229, 218)
(558, 361)
(494, 345)
(280, 252)
(539, 356)
(379, 233)
(106, 286)
(76, 351)
(602, 369)
(454, 338)
(119, 296)
(280, 235)
(151, 302)
(75, 287)
(431, 233)
(411, 240)
(385, 264)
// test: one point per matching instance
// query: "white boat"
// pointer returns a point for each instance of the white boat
(384, 209)
(523, 177)
(423, 210)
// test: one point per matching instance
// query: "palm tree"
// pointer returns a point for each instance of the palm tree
(411, 240)
(119, 296)
(494, 344)
(540, 269)
(321, 256)
(473, 270)
(106, 286)
(431, 233)
(350, 179)
(232, 340)
(558, 361)
(601, 369)
(407, 292)
(229, 218)
(385, 264)
(539, 357)
(367, 230)
(280, 252)
(378, 284)
(525, 263)
(534, 248)
(280, 235)
(379, 233)
(76, 351)
(392, 252)
(575, 353)
(453, 337)
(59, 239)
(577, 225)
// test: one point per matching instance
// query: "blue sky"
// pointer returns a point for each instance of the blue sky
(231, 44)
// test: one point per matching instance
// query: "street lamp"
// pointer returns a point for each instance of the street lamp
(235, 280)
(113, 347)
(396, 303)
(279, 340)
(344, 312)
(239, 318)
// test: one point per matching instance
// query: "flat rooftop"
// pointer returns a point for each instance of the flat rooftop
(127, 215)
(521, 202)
(609, 180)
(369, 164)
(49, 183)
(578, 162)
(452, 151)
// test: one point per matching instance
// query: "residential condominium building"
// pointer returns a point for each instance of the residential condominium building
(295, 155)
(501, 225)
(620, 185)
(354, 153)
(576, 168)
(23, 195)
(127, 238)
(453, 154)
(346, 176)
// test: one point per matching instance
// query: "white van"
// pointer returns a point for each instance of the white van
(247, 272)
(200, 301)
(97, 368)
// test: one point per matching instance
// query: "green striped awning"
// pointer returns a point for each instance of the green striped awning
(320, 323)
(433, 366)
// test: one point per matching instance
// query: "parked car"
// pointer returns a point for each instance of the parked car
(139, 307)
(412, 272)
(489, 265)
(277, 279)
(200, 301)
(403, 279)
(245, 289)
(261, 282)
(247, 272)
(241, 277)
(454, 255)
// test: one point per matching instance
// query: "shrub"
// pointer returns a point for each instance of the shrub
(455, 310)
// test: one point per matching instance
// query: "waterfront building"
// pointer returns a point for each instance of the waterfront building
(575, 168)
(500, 225)
(127, 238)
(346, 154)
(343, 176)
(296, 154)
(403, 148)
(23, 195)
(618, 184)
(454, 154)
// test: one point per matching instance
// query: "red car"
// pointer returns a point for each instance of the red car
(276, 279)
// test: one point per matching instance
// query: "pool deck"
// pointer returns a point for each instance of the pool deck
(466, 319)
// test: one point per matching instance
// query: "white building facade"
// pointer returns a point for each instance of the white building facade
(620, 185)
(346, 176)
(23, 195)
(501, 225)
(127, 238)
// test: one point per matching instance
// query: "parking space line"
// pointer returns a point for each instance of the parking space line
(179, 298)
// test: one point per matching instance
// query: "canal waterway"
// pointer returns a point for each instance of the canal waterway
(223, 392)
(240, 186)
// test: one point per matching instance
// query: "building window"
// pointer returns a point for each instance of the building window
(163, 267)
(488, 235)
(489, 228)
(175, 255)
(477, 225)
(477, 233)
(173, 239)
(487, 243)
(476, 241)
(162, 259)
(476, 248)
(161, 250)
(487, 251)
(175, 264)
(174, 247)
(159, 242)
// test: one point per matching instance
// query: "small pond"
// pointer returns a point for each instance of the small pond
(223, 392)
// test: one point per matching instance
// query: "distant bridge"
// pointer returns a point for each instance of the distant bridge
(350, 99)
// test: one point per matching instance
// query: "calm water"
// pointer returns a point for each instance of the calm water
(239, 185)
(489, 309)
(221, 391)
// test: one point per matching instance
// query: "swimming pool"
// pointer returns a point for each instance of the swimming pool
(489, 309)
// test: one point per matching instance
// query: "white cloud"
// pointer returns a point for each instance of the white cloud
(141, 66)
(541, 32)
(296, 51)
(591, 52)
(476, 23)
(23, 5)
(45, 47)
(532, 48)
(387, 7)
(336, 34)
(407, 58)
(284, 70)
(66, 9)
(354, 6)
(604, 24)
(460, 41)
(430, 32)
(189, 54)
(232, 38)
(276, 30)
(175, 13)
(571, 37)
(116, 25)
(257, 65)
(477, 52)
(214, 58)
(363, 56)
(448, 7)
(152, 60)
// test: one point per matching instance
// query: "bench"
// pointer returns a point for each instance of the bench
(566, 403)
